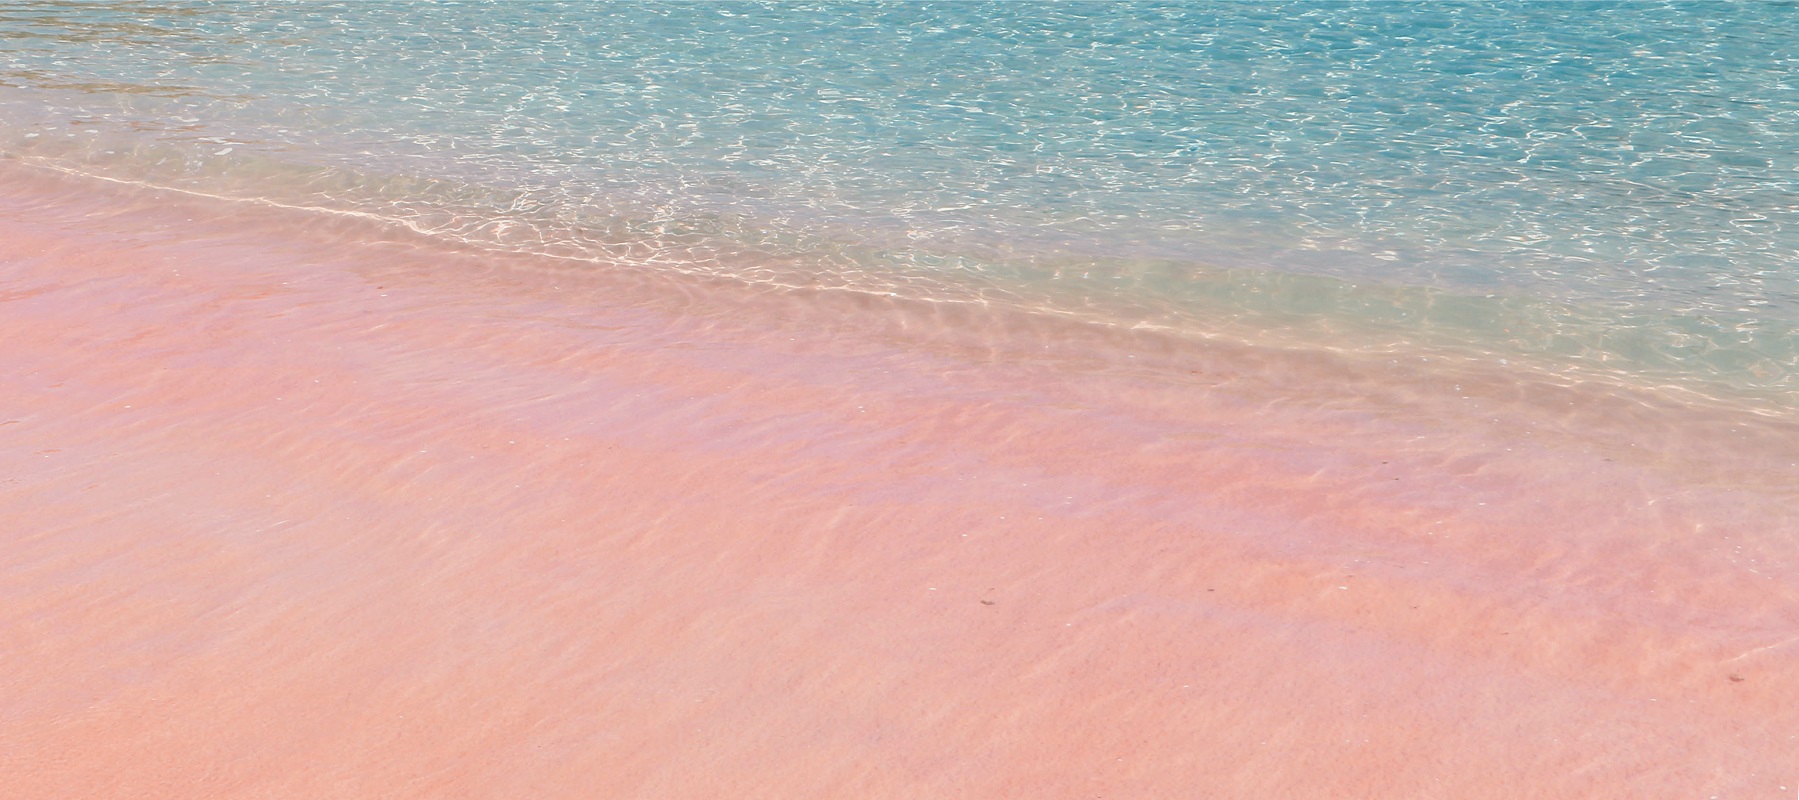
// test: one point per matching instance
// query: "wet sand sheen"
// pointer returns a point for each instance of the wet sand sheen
(296, 515)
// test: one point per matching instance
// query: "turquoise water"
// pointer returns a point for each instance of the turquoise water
(1594, 189)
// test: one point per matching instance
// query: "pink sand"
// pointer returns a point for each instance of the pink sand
(304, 509)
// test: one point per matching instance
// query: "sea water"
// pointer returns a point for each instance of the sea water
(898, 400)
(1586, 190)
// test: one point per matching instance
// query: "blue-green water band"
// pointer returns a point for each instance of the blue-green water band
(1601, 188)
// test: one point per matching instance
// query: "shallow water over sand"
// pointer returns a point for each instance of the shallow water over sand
(311, 508)
(975, 400)
(1603, 191)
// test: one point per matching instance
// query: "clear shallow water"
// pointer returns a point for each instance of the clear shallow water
(1606, 189)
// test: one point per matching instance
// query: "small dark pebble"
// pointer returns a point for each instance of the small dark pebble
(986, 602)
(1736, 678)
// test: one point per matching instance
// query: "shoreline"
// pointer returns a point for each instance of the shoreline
(294, 517)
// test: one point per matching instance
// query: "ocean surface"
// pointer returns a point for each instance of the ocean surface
(1583, 191)
(897, 400)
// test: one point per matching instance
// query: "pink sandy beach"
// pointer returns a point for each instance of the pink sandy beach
(304, 509)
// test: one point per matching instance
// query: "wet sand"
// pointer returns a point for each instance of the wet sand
(302, 509)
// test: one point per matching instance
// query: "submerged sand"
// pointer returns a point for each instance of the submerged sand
(297, 508)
